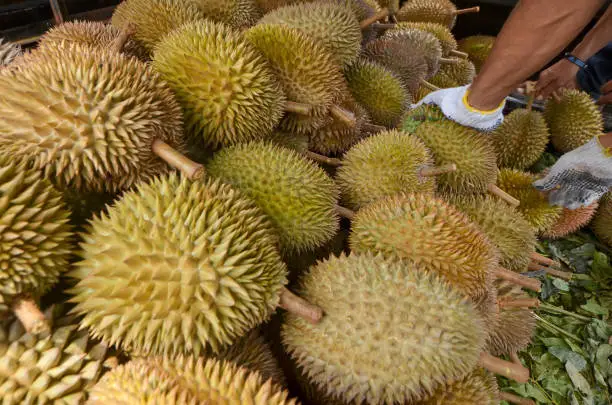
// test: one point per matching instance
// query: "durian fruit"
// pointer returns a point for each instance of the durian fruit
(434, 83)
(382, 165)
(477, 47)
(332, 24)
(228, 91)
(8, 52)
(533, 205)
(217, 271)
(479, 387)
(151, 20)
(573, 119)
(306, 70)
(462, 71)
(57, 367)
(379, 91)
(414, 117)
(296, 142)
(36, 240)
(436, 11)
(298, 197)
(570, 221)
(602, 223)
(106, 118)
(268, 5)
(365, 10)
(420, 42)
(361, 351)
(239, 14)
(442, 33)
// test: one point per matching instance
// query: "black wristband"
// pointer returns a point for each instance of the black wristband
(575, 60)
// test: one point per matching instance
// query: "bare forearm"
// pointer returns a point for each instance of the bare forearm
(596, 38)
(606, 140)
(535, 32)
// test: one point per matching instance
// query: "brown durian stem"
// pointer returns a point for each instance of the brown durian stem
(383, 26)
(429, 86)
(343, 115)
(520, 303)
(493, 189)
(300, 307)
(30, 316)
(323, 159)
(371, 20)
(435, 171)
(505, 368)
(191, 169)
(536, 257)
(449, 61)
(298, 108)
(119, 42)
(459, 54)
(515, 358)
(367, 127)
(518, 279)
(515, 399)
(467, 10)
(565, 275)
(345, 212)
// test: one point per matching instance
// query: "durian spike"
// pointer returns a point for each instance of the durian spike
(515, 399)
(345, 212)
(467, 10)
(383, 26)
(435, 171)
(565, 275)
(372, 128)
(371, 20)
(298, 108)
(505, 368)
(518, 279)
(191, 169)
(538, 258)
(343, 115)
(322, 158)
(428, 85)
(119, 42)
(111, 362)
(493, 189)
(449, 61)
(30, 316)
(458, 54)
(520, 303)
(300, 307)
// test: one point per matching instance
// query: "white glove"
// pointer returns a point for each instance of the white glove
(580, 177)
(454, 105)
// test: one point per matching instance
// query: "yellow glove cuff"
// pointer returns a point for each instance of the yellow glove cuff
(467, 105)
(607, 151)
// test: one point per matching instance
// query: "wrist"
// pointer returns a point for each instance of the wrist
(575, 60)
(476, 105)
(605, 142)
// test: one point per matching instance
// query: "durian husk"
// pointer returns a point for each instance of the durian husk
(414, 117)
(477, 47)
(602, 222)
(439, 80)
(423, 43)
(240, 14)
(570, 221)
(441, 32)
(433, 11)
(462, 71)
(479, 387)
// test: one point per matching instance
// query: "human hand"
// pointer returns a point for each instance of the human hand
(561, 75)
(606, 94)
(580, 177)
(454, 105)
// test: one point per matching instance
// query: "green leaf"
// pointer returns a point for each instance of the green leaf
(593, 307)
(602, 359)
(578, 379)
(561, 284)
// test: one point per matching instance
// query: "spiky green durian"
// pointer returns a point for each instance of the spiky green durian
(439, 80)
(472, 152)
(431, 233)
(602, 223)
(99, 113)
(414, 117)
(364, 9)
(332, 24)
(212, 252)
(573, 120)
(151, 20)
(239, 14)
(421, 42)
(479, 387)
(269, 5)
(296, 142)
(360, 352)
(378, 90)
(521, 139)
(570, 221)
(295, 193)
(227, 89)
(461, 71)
(533, 205)
(49, 368)
(306, 70)
(8, 52)
(382, 165)
(513, 236)
(435, 11)
(442, 33)
(478, 48)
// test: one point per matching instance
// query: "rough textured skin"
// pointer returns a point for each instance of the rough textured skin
(56, 368)
(477, 388)
(534, 205)
(478, 48)
(178, 267)
(228, 91)
(383, 165)
(442, 33)
(240, 14)
(297, 195)
(269, 5)
(439, 80)
(413, 118)
(8, 52)
(379, 91)
(472, 152)
(424, 229)
(296, 142)
(154, 19)
(570, 221)
(36, 239)
(573, 121)
(361, 352)
(462, 72)
(422, 43)
(306, 70)
(91, 118)
(434, 11)
(513, 236)
(334, 25)
(521, 139)
(602, 223)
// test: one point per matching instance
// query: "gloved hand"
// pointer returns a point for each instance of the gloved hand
(580, 177)
(454, 105)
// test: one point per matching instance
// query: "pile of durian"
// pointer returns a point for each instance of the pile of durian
(232, 202)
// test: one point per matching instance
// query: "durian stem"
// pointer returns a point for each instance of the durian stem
(467, 10)
(535, 256)
(191, 169)
(530, 90)
(383, 26)
(459, 54)
(30, 316)
(449, 61)
(515, 358)
(371, 20)
(56, 9)
(367, 127)
(493, 189)
(505, 368)
(343, 115)
(565, 275)
(518, 279)
(323, 159)
(435, 171)
(298, 108)
(429, 86)
(521, 303)
(300, 307)
(345, 212)
(515, 399)
(119, 42)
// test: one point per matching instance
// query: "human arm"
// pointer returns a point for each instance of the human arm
(606, 94)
